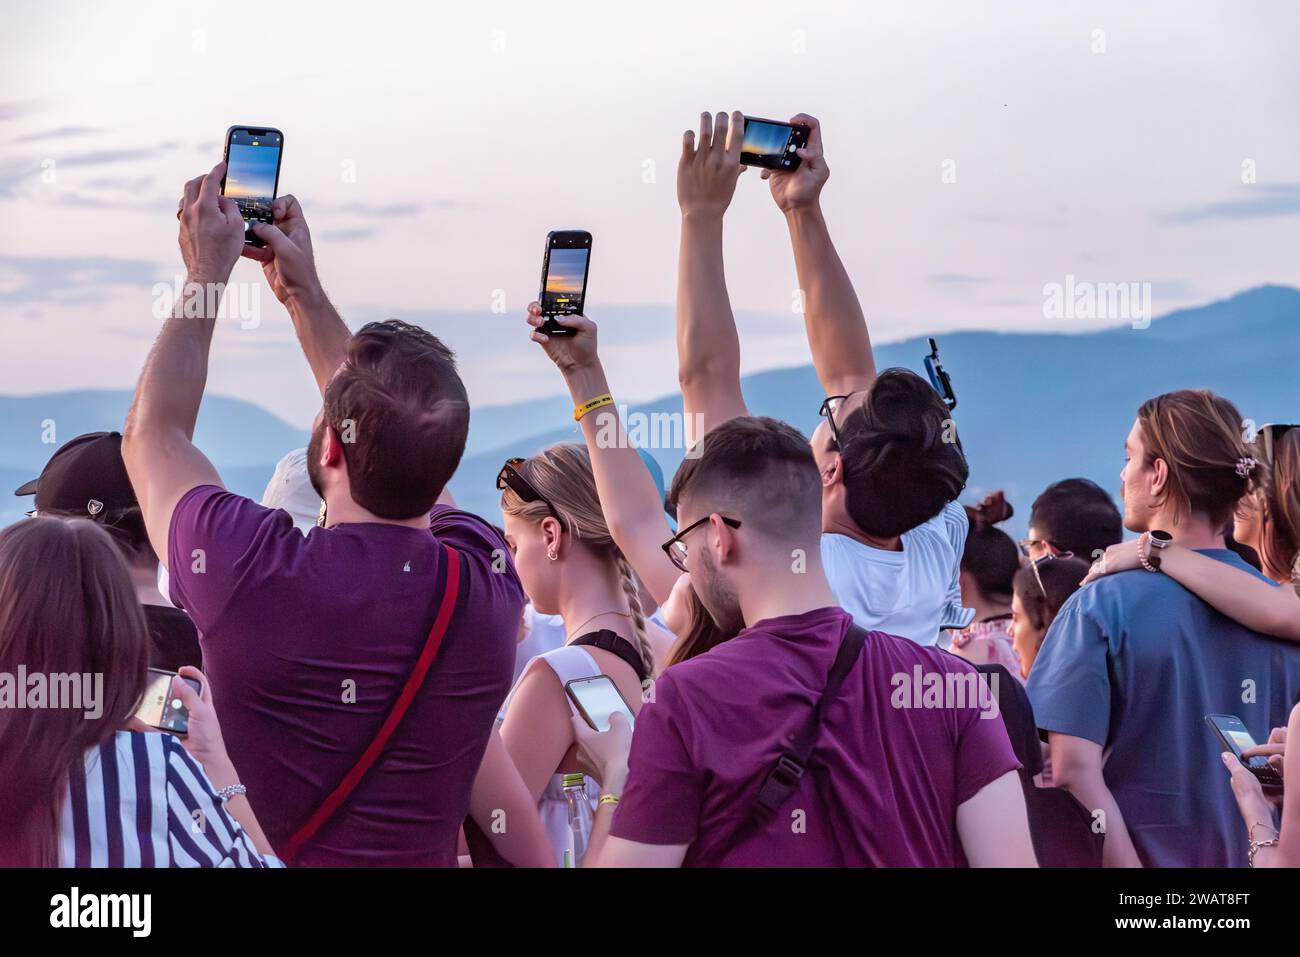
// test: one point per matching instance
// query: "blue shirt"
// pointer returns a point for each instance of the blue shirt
(1134, 662)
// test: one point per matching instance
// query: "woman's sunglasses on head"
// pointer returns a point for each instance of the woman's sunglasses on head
(510, 478)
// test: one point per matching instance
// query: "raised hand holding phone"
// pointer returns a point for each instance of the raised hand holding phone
(286, 254)
(801, 187)
(574, 349)
(710, 165)
(211, 228)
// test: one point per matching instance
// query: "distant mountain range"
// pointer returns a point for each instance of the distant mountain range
(1032, 408)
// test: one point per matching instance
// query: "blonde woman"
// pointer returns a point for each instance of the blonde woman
(569, 566)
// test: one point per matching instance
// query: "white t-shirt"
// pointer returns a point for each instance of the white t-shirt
(913, 593)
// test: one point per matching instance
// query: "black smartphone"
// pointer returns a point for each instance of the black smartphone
(597, 698)
(564, 277)
(253, 156)
(161, 708)
(1234, 737)
(771, 144)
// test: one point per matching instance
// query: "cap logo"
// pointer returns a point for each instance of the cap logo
(94, 506)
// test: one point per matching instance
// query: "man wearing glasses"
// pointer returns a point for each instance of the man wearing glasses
(952, 796)
(887, 451)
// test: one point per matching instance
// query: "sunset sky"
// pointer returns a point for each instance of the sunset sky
(978, 152)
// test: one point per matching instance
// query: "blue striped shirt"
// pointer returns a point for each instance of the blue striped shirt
(140, 800)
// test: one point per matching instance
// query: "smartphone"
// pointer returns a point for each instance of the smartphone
(253, 156)
(161, 708)
(771, 144)
(564, 277)
(597, 698)
(1234, 737)
(939, 377)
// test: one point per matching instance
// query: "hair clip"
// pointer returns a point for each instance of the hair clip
(1245, 466)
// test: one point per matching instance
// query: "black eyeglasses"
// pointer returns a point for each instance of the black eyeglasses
(510, 477)
(676, 549)
(830, 405)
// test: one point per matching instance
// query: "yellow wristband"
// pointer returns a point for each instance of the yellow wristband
(590, 405)
(607, 799)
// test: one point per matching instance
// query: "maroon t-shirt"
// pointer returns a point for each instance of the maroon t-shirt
(885, 781)
(308, 641)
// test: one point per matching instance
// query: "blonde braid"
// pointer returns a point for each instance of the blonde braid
(638, 615)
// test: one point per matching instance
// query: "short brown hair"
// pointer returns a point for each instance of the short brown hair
(759, 468)
(1199, 436)
(402, 411)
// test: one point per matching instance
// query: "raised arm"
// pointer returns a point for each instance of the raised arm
(708, 348)
(837, 329)
(628, 497)
(290, 266)
(1241, 596)
(157, 441)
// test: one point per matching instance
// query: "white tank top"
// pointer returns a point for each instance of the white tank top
(569, 663)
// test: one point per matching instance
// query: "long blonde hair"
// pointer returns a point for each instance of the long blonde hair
(562, 475)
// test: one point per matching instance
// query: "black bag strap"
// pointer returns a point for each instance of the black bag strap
(784, 777)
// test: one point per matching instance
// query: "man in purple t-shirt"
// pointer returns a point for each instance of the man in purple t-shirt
(900, 776)
(310, 640)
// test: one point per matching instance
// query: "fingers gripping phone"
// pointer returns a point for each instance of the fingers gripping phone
(253, 156)
(771, 144)
(161, 707)
(596, 699)
(1232, 734)
(564, 277)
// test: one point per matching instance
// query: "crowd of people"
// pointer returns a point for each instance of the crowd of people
(827, 659)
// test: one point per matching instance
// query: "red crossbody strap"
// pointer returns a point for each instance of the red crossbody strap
(376, 748)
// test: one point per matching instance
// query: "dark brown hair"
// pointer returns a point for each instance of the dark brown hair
(1199, 436)
(901, 456)
(402, 411)
(1061, 578)
(1077, 515)
(757, 469)
(66, 607)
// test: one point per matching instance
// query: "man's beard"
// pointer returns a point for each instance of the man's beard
(718, 599)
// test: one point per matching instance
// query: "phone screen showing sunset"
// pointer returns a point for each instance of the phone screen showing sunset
(251, 166)
(566, 276)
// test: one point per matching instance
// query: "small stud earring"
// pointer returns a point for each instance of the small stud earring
(552, 556)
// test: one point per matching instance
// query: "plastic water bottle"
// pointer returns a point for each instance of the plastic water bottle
(575, 796)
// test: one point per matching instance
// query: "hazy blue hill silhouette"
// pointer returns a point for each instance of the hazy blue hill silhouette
(242, 439)
(1033, 408)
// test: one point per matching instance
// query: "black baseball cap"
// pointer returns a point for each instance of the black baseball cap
(86, 476)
